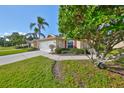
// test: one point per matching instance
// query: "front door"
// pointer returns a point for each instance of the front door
(70, 44)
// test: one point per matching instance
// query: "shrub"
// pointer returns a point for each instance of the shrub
(69, 50)
(58, 50)
(51, 46)
(76, 51)
(82, 51)
(32, 49)
(65, 50)
(18, 46)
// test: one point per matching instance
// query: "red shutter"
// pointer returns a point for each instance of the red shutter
(65, 43)
(75, 44)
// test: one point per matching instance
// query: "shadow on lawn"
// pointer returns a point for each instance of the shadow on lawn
(116, 69)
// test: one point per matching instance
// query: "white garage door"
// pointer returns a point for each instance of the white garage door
(44, 45)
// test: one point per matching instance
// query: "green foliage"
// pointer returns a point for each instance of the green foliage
(120, 61)
(1, 41)
(114, 52)
(74, 51)
(17, 39)
(102, 26)
(20, 47)
(59, 50)
(4, 42)
(15, 51)
(41, 23)
(11, 40)
(32, 49)
(81, 21)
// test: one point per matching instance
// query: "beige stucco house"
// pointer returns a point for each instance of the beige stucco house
(60, 42)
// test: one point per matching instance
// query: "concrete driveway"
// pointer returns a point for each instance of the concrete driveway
(17, 57)
(22, 56)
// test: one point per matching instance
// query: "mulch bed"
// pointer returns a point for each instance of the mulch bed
(56, 71)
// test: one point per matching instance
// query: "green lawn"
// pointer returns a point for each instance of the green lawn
(12, 50)
(79, 73)
(120, 62)
(34, 72)
(6, 48)
(37, 72)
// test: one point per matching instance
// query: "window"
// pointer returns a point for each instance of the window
(70, 44)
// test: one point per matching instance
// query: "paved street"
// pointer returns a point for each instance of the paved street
(22, 56)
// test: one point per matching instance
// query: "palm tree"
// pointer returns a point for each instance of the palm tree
(39, 25)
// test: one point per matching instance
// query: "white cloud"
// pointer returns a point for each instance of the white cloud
(22, 33)
(1, 35)
(6, 34)
(10, 32)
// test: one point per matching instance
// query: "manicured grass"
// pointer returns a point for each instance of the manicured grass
(37, 72)
(14, 51)
(34, 72)
(84, 73)
(120, 62)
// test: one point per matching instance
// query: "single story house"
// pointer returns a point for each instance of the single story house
(60, 42)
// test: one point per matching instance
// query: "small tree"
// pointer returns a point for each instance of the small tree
(51, 46)
(17, 39)
(101, 26)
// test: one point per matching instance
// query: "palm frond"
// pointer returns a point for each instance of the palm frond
(40, 20)
(36, 30)
(32, 25)
(45, 23)
(42, 35)
(43, 27)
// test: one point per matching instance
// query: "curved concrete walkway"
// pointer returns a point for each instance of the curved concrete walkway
(64, 57)
(22, 56)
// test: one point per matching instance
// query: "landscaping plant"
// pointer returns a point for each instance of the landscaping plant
(101, 26)
(51, 46)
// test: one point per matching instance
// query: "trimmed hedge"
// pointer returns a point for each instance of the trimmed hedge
(74, 51)
(19, 47)
(59, 50)
(32, 49)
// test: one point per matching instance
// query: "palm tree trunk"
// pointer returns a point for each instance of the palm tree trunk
(39, 30)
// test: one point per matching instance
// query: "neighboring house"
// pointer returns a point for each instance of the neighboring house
(120, 45)
(60, 42)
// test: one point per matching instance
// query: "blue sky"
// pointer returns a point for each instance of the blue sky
(18, 18)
